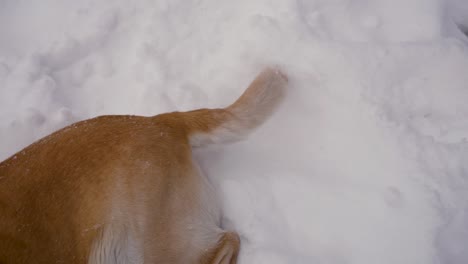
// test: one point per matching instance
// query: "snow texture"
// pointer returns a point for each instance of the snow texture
(367, 160)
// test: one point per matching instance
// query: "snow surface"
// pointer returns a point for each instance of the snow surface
(367, 160)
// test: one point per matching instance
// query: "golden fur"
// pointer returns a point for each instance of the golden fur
(125, 189)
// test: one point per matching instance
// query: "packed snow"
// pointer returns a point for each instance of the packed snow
(367, 160)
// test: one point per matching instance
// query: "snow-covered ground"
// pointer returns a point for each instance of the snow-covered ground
(365, 163)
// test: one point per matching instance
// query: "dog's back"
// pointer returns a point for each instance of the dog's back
(124, 189)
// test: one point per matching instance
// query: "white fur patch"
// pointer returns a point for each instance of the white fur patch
(116, 246)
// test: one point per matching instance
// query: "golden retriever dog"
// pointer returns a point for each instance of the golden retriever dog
(125, 189)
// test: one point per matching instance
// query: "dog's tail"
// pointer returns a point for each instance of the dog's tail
(235, 122)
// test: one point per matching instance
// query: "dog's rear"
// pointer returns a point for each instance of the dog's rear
(123, 189)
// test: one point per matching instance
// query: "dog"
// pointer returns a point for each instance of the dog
(125, 189)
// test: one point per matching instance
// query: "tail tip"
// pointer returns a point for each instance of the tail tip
(275, 72)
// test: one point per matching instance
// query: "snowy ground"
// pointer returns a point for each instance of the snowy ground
(365, 163)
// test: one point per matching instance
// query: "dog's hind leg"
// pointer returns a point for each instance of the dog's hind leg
(225, 251)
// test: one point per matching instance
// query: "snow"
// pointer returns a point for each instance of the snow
(366, 161)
